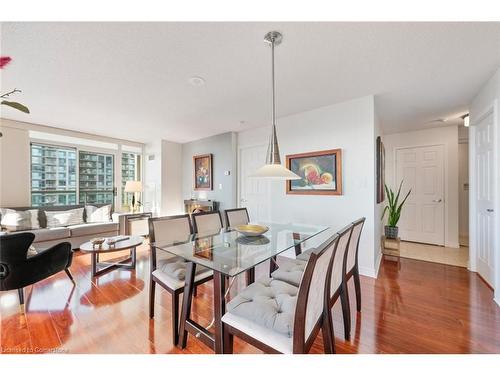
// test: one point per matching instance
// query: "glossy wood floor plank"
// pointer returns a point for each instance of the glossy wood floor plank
(421, 308)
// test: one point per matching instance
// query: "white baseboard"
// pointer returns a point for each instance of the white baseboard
(372, 272)
(454, 245)
(367, 271)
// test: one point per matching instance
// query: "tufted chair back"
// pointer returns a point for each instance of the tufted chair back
(352, 252)
(236, 216)
(169, 229)
(311, 297)
(338, 262)
(207, 222)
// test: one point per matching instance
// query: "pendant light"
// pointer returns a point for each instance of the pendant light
(273, 168)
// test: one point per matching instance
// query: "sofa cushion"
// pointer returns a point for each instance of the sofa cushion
(17, 220)
(92, 228)
(268, 303)
(95, 214)
(64, 218)
(49, 234)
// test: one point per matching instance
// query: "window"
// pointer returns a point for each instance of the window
(53, 175)
(69, 176)
(131, 171)
(96, 178)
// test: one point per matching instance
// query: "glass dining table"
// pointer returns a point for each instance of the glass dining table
(230, 254)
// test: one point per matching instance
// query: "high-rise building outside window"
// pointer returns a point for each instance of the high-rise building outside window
(53, 175)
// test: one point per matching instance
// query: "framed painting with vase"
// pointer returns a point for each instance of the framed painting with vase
(202, 174)
(320, 172)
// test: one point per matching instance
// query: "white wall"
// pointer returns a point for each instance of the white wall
(463, 193)
(172, 202)
(447, 136)
(15, 167)
(163, 178)
(152, 177)
(488, 96)
(351, 127)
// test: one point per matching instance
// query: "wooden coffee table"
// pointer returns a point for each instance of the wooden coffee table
(99, 268)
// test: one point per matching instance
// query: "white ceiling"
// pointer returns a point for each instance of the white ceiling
(130, 80)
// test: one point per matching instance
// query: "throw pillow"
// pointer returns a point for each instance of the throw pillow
(98, 214)
(64, 218)
(14, 220)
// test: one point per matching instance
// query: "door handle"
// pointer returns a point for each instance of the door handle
(242, 200)
(437, 200)
(490, 209)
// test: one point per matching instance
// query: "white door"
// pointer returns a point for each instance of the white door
(485, 194)
(422, 170)
(254, 192)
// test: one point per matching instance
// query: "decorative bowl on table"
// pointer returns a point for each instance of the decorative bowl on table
(251, 230)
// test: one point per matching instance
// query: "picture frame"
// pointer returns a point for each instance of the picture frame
(321, 173)
(380, 170)
(202, 172)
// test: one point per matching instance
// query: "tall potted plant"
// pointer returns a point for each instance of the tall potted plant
(393, 208)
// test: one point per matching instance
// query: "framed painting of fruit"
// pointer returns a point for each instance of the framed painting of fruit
(203, 175)
(320, 172)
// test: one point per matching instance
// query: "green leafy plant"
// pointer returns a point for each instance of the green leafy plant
(393, 206)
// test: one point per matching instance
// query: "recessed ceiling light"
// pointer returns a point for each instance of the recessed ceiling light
(196, 81)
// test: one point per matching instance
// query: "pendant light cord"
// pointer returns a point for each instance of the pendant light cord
(273, 83)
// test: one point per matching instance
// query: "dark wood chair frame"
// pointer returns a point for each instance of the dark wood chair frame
(301, 345)
(226, 216)
(194, 215)
(153, 280)
(332, 298)
(348, 274)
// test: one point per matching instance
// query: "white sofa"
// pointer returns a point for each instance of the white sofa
(75, 234)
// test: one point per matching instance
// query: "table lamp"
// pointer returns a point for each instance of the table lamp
(133, 187)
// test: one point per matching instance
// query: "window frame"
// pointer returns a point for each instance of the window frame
(117, 153)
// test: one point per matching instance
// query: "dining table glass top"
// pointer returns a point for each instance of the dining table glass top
(231, 253)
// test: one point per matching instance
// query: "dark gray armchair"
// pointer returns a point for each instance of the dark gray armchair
(17, 270)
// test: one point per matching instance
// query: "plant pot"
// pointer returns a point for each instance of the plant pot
(391, 232)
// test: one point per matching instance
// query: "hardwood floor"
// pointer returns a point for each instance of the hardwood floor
(420, 308)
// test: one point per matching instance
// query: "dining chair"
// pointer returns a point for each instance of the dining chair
(351, 269)
(292, 273)
(207, 222)
(168, 270)
(236, 216)
(278, 317)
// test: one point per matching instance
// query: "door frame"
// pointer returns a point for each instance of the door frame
(240, 172)
(447, 241)
(492, 108)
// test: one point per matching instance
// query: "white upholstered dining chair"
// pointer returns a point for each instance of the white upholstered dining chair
(207, 223)
(236, 216)
(168, 270)
(351, 270)
(278, 317)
